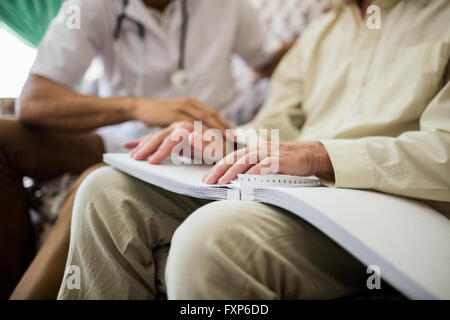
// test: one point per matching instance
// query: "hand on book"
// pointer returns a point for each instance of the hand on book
(158, 146)
(290, 158)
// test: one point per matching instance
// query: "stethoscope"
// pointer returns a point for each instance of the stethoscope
(179, 78)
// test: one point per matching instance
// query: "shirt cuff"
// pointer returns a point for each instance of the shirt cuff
(351, 162)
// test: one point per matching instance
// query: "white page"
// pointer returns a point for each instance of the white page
(183, 179)
(409, 241)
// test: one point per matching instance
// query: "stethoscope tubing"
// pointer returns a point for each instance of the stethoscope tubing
(141, 33)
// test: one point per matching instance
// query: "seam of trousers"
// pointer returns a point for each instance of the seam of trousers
(121, 251)
(262, 244)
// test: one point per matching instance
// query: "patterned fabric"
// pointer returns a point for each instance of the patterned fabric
(285, 20)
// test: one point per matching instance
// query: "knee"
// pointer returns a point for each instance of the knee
(208, 246)
(97, 189)
(215, 226)
(94, 183)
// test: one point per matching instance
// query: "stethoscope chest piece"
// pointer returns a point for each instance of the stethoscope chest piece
(179, 80)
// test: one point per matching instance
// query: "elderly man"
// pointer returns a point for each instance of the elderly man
(367, 106)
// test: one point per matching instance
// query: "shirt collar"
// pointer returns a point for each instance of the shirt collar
(138, 11)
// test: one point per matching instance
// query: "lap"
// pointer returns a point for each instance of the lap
(122, 200)
(246, 217)
(120, 192)
(238, 246)
(270, 246)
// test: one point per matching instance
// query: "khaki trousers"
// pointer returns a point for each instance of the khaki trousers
(41, 154)
(219, 250)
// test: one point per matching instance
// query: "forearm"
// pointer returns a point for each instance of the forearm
(48, 104)
(79, 113)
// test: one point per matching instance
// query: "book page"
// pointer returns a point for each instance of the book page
(184, 179)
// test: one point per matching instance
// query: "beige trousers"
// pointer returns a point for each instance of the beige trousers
(219, 250)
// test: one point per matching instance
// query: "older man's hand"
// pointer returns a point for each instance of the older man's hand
(291, 158)
(155, 147)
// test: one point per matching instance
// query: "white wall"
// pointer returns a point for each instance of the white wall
(16, 59)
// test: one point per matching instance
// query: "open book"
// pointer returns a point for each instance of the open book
(407, 240)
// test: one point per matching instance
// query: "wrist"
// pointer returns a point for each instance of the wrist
(131, 107)
(324, 165)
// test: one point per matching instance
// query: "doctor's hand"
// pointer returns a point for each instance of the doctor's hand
(164, 112)
(292, 158)
(157, 146)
